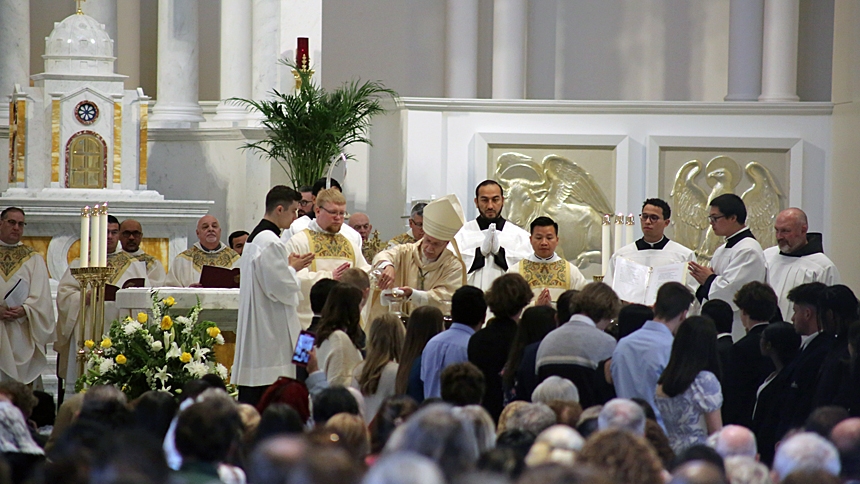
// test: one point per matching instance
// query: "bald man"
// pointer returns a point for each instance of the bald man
(130, 237)
(207, 251)
(370, 243)
(797, 258)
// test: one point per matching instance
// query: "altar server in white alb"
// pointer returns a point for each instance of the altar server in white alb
(548, 274)
(335, 249)
(654, 249)
(797, 258)
(269, 292)
(26, 314)
(490, 244)
(738, 261)
(207, 251)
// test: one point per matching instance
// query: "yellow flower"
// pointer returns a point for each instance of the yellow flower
(89, 343)
(142, 318)
(213, 331)
(106, 343)
(121, 359)
(169, 301)
(166, 323)
(185, 358)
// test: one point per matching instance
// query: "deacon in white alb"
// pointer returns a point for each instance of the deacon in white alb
(738, 261)
(27, 317)
(797, 258)
(490, 244)
(548, 274)
(269, 292)
(307, 210)
(207, 251)
(654, 249)
(335, 250)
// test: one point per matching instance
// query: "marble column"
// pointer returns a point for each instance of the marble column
(14, 50)
(779, 51)
(745, 44)
(177, 97)
(105, 11)
(461, 49)
(235, 59)
(509, 48)
(266, 41)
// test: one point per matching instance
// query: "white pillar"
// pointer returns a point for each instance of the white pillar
(128, 44)
(177, 97)
(14, 50)
(266, 42)
(235, 59)
(745, 44)
(105, 11)
(509, 48)
(779, 56)
(461, 49)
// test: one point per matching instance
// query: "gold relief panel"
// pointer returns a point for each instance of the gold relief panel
(55, 141)
(40, 244)
(144, 123)
(571, 185)
(21, 145)
(117, 141)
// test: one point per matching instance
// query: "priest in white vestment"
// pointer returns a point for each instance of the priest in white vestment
(547, 274)
(335, 250)
(426, 271)
(26, 315)
(130, 237)
(738, 261)
(269, 293)
(207, 251)
(490, 244)
(797, 258)
(416, 227)
(654, 249)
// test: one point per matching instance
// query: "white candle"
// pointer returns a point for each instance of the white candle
(94, 236)
(619, 231)
(85, 236)
(628, 230)
(103, 229)
(604, 247)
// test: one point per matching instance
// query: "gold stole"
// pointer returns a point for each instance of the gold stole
(550, 275)
(329, 246)
(12, 258)
(223, 258)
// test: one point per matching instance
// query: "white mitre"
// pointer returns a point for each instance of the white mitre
(443, 217)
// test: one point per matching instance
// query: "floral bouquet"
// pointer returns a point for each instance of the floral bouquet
(159, 354)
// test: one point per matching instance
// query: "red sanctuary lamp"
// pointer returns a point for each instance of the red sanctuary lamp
(303, 61)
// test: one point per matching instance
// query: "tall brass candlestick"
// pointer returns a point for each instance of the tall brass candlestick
(91, 317)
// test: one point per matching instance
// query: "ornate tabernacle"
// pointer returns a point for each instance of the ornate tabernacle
(91, 318)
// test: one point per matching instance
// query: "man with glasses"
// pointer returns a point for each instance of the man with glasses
(738, 261)
(335, 249)
(308, 208)
(130, 236)
(654, 248)
(306, 204)
(416, 227)
(26, 314)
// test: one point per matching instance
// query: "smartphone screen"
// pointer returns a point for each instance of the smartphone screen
(303, 348)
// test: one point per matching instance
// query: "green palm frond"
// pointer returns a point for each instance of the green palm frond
(309, 128)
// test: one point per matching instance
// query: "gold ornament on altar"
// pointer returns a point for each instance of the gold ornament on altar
(723, 174)
(372, 246)
(562, 190)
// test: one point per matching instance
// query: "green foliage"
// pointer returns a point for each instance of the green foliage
(308, 129)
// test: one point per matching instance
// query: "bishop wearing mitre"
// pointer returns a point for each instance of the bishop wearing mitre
(335, 249)
(426, 271)
(208, 251)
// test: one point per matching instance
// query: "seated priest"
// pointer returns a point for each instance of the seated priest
(426, 272)
(130, 237)
(416, 227)
(548, 274)
(207, 251)
(370, 241)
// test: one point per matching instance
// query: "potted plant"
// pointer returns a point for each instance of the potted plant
(309, 128)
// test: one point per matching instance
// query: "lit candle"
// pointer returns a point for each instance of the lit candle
(94, 236)
(85, 236)
(103, 229)
(303, 60)
(619, 231)
(628, 229)
(604, 246)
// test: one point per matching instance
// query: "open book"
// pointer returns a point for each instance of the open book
(219, 277)
(638, 283)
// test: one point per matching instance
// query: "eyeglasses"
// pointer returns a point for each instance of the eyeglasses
(333, 213)
(128, 233)
(15, 222)
(305, 203)
(417, 224)
(646, 216)
(713, 218)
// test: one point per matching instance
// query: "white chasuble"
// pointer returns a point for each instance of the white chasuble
(268, 325)
(23, 340)
(186, 267)
(555, 274)
(330, 252)
(483, 270)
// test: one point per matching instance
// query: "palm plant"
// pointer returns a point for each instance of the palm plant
(308, 129)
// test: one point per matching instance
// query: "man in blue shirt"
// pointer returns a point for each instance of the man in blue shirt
(468, 310)
(640, 358)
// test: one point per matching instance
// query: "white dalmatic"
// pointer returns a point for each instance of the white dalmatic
(268, 325)
(481, 251)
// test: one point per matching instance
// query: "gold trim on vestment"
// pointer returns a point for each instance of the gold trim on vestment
(12, 258)
(329, 246)
(546, 274)
(225, 257)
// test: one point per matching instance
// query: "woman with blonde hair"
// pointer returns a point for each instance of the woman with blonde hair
(376, 375)
(339, 334)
